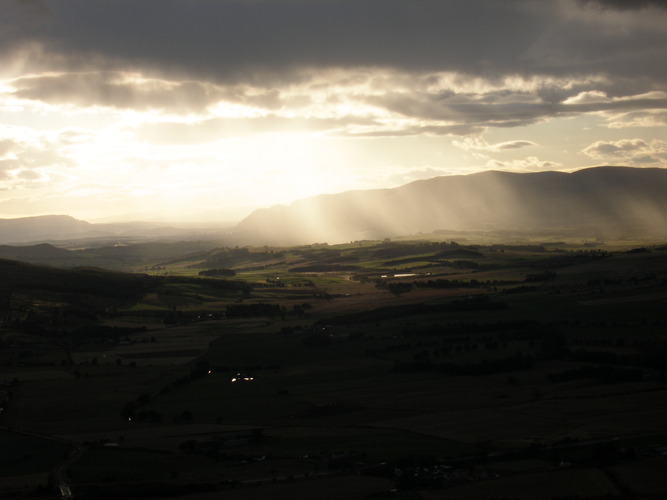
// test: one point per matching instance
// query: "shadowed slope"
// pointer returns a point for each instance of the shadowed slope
(596, 202)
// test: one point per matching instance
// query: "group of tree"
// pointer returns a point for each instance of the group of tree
(603, 373)
(226, 273)
(476, 303)
(517, 361)
(230, 257)
(258, 309)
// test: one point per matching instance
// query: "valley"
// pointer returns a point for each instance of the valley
(417, 368)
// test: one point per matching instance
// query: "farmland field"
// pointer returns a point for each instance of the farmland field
(435, 369)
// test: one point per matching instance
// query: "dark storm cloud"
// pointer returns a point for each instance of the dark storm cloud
(114, 90)
(514, 62)
(128, 91)
(268, 40)
(626, 4)
(505, 108)
(229, 39)
(498, 107)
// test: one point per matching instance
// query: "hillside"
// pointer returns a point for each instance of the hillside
(502, 369)
(42, 253)
(43, 228)
(598, 202)
(54, 301)
(131, 257)
(79, 233)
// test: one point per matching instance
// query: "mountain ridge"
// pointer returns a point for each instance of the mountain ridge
(599, 202)
(43, 227)
(65, 228)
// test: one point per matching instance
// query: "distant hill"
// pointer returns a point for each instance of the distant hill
(117, 257)
(63, 228)
(42, 253)
(599, 202)
(25, 276)
(42, 228)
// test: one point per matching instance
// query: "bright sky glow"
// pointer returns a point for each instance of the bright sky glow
(213, 120)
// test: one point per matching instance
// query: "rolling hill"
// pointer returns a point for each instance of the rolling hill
(42, 228)
(79, 233)
(600, 202)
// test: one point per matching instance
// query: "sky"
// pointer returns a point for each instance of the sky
(203, 110)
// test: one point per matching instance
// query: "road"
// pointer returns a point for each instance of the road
(60, 471)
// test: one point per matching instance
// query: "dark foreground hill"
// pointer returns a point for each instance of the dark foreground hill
(51, 301)
(601, 202)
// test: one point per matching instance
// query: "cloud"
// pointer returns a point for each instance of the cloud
(631, 151)
(507, 107)
(479, 144)
(117, 90)
(602, 149)
(6, 146)
(347, 103)
(649, 118)
(26, 155)
(342, 102)
(625, 4)
(410, 129)
(596, 101)
(503, 146)
(494, 108)
(218, 128)
(273, 41)
(241, 40)
(394, 65)
(588, 97)
(529, 164)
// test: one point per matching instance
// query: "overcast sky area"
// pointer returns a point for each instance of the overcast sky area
(193, 109)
